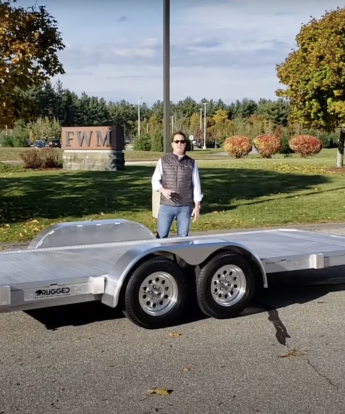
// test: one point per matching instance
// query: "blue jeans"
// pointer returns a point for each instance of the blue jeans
(166, 216)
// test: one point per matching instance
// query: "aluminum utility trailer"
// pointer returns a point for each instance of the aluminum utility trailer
(121, 263)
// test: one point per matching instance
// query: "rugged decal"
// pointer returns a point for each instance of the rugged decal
(52, 293)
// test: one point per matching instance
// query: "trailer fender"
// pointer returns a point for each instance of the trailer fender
(119, 272)
(194, 253)
(78, 233)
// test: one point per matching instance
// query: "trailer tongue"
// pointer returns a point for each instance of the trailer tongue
(121, 263)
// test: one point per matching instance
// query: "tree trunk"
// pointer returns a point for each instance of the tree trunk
(340, 153)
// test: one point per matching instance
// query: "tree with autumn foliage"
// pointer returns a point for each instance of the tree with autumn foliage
(222, 127)
(314, 76)
(29, 42)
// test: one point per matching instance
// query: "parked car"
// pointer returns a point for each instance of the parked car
(54, 143)
(39, 144)
(209, 144)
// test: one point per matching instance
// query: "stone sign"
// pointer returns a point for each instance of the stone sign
(93, 148)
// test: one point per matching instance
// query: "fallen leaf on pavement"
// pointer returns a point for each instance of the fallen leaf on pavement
(291, 353)
(163, 392)
(174, 334)
(185, 369)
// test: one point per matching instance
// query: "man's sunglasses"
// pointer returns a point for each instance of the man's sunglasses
(181, 141)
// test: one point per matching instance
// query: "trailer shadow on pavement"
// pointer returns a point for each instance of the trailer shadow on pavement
(285, 289)
(87, 313)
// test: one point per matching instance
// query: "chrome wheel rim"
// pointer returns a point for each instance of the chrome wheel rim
(228, 285)
(158, 293)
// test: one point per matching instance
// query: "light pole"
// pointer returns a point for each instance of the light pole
(205, 105)
(172, 124)
(166, 74)
(139, 97)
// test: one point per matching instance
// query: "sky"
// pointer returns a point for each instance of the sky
(219, 49)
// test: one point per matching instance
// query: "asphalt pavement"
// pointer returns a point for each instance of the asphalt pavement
(284, 354)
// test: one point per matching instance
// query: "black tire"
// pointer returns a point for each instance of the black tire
(206, 288)
(177, 282)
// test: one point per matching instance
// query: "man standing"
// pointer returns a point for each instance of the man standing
(176, 177)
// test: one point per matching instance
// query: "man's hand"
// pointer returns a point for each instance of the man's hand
(196, 213)
(167, 193)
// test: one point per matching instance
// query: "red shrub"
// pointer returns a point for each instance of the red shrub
(305, 145)
(237, 146)
(35, 158)
(31, 158)
(267, 145)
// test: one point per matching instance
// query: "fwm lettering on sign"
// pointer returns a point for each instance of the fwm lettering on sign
(88, 138)
(93, 138)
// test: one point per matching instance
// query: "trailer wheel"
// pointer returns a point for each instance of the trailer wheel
(156, 294)
(225, 285)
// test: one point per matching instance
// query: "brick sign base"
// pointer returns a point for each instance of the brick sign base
(93, 160)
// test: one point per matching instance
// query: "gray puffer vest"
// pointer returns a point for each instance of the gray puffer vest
(178, 177)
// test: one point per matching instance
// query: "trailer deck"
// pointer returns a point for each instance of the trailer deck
(273, 247)
(49, 276)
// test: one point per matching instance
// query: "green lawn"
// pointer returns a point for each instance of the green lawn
(13, 154)
(237, 194)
